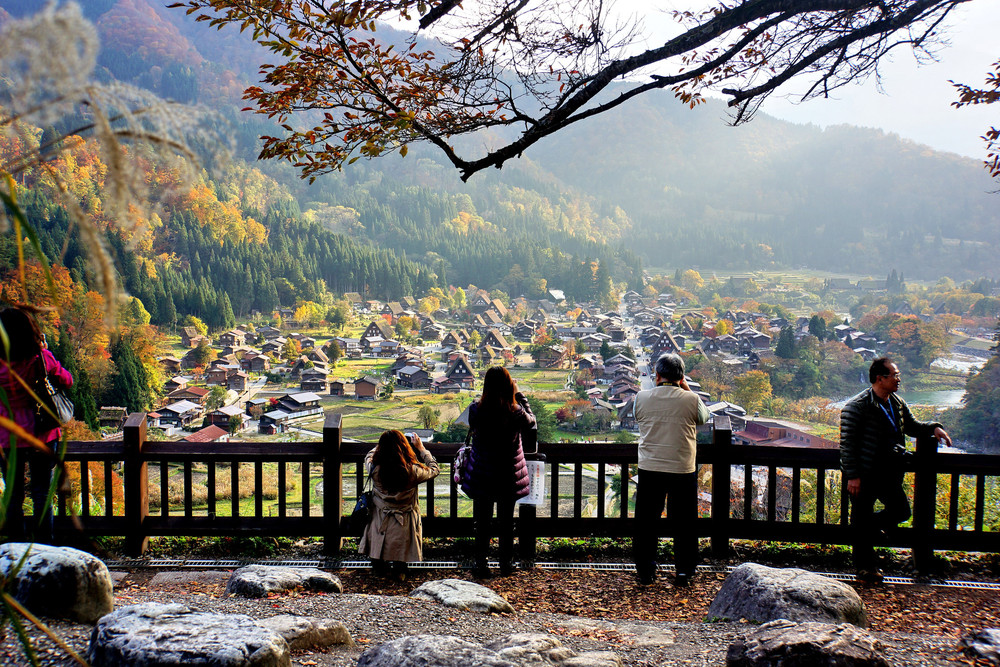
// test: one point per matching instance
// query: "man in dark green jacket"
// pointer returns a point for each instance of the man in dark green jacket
(873, 426)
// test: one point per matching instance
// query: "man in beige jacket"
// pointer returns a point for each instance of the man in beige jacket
(668, 415)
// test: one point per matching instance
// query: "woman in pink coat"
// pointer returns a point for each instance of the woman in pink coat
(24, 358)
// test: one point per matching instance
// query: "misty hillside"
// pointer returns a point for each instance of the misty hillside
(676, 186)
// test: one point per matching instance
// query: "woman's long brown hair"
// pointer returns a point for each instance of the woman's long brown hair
(23, 335)
(395, 459)
(498, 391)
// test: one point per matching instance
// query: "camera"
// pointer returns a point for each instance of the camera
(411, 437)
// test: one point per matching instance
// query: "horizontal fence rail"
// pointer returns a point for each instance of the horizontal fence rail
(139, 488)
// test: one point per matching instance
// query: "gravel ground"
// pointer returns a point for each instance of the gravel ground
(372, 619)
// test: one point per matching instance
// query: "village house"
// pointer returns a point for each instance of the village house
(626, 415)
(459, 372)
(272, 422)
(413, 377)
(275, 346)
(219, 374)
(255, 405)
(190, 336)
(256, 362)
(495, 340)
(180, 413)
(208, 434)
(197, 395)
(170, 365)
(479, 302)
(779, 435)
(112, 416)
(313, 380)
(393, 310)
(455, 339)
(238, 382)
(431, 330)
(175, 383)
(338, 388)
(354, 299)
(268, 332)
(367, 388)
(378, 328)
(234, 338)
(525, 330)
(222, 416)
(349, 346)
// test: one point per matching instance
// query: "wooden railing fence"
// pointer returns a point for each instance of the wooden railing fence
(778, 494)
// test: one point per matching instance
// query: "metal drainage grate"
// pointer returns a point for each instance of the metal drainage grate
(455, 565)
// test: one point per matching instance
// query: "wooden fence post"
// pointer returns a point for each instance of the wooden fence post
(924, 504)
(722, 441)
(332, 485)
(136, 483)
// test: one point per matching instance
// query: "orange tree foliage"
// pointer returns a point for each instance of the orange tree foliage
(990, 94)
(535, 68)
(98, 484)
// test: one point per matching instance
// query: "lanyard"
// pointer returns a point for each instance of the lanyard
(889, 414)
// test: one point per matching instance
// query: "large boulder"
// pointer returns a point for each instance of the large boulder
(984, 644)
(257, 581)
(516, 650)
(171, 635)
(462, 594)
(302, 632)
(760, 594)
(58, 581)
(785, 643)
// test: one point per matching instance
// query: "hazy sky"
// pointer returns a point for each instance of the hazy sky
(915, 99)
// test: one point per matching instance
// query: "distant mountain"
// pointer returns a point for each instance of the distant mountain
(674, 186)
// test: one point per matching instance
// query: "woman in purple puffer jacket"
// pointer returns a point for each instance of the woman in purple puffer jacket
(502, 424)
(24, 359)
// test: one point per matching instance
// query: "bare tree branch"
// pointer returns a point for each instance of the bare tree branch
(538, 65)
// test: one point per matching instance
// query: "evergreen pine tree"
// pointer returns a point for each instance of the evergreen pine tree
(226, 318)
(786, 344)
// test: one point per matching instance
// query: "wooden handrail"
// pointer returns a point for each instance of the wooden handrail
(738, 510)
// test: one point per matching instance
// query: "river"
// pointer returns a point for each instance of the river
(945, 398)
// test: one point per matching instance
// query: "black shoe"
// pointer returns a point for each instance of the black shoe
(683, 579)
(481, 570)
(870, 576)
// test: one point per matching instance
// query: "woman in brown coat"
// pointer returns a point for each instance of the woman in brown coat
(394, 535)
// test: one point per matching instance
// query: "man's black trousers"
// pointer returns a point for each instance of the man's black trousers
(681, 493)
(867, 524)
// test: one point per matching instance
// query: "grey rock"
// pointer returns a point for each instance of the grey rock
(431, 651)
(171, 635)
(593, 659)
(785, 643)
(462, 594)
(982, 644)
(256, 581)
(758, 593)
(529, 648)
(58, 581)
(648, 635)
(301, 632)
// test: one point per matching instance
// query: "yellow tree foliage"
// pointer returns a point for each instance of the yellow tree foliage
(723, 327)
(751, 390)
(310, 313)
